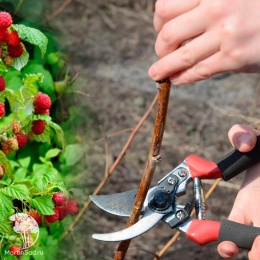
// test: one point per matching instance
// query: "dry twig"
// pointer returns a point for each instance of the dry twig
(153, 157)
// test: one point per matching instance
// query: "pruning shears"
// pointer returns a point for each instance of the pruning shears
(161, 202)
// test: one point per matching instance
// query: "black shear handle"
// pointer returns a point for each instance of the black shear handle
(236, 162)
(242, 235)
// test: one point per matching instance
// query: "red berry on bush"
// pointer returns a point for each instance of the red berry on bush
(2, 109)
(3, 34)
(21, 139)
(39, 111)
(5, 20)
(15, 250)
(2, 84)
(15, 51)
(42, 101)
(13, 38)
(53, 218)
(62, 212)
(72, 206)
(59, 199)
(38, 127)
(36, 215)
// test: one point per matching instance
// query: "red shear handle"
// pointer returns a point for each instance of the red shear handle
(227, 167)
(203, 232)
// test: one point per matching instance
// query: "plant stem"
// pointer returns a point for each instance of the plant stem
(153, 157)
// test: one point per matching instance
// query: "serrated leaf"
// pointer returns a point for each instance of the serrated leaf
(15, 103)
(17, 191)
(44, 204)
(6, 205)
(32, 36)
(6, 227)
(44, 175)
(30, 80)
(21, 61)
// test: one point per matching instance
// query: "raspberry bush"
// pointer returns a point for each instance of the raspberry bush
(30, 142)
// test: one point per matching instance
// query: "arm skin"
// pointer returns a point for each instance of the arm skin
(200, 38)
(246, 208)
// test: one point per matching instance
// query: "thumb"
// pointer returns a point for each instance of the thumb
(242, 137)
(255, 251)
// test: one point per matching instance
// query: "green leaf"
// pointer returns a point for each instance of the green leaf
(43, 176)
(17, 191)
(6, 204)
(21, 61)
(73, 153)
(52, 153)
(6, 227)
(14, 101)
(13, 79)
(32, 36)
(2, 66)
(25, 162)
(43, 204)
(6, 163)
(30, 80)
(59, 133)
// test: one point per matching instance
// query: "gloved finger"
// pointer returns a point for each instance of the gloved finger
(166, 10)
(242, 137)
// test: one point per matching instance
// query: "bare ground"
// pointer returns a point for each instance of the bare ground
(111, 47)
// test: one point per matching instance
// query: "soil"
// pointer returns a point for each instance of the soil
(111, 47)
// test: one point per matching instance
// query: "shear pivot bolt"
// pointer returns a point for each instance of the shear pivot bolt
(180, 214)
(171, 180)
(182, 173)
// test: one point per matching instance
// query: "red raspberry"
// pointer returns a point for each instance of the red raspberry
(15, 250)
(53, 218)
(2, 84)
(2, 109)
(15, 51)
(59, 199)
(42, 101)
(21, 139)
(13, 38)
(38, 127)
(5, 20)
(36, 215)
(72, 207)
(39, 111)
(2, 171)
(3, 34)
(62, 212)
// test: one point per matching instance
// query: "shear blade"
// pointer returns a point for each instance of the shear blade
(149, 220)
(118, 204)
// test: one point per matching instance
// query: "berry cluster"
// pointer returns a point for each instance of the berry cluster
(62, 208)
(10, 42)
(18, 139)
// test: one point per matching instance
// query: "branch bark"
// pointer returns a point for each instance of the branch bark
(153, 157)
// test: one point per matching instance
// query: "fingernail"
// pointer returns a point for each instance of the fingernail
(244, 139)
(153, 71)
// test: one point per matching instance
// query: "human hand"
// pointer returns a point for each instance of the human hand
(219, 36)
(246, 209)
